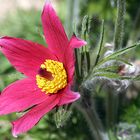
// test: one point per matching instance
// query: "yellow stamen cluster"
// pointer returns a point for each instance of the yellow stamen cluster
(59, 75)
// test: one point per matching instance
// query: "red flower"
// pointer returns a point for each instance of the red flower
(49, 73)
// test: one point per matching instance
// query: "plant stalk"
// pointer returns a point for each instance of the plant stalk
(119, 26)
(111, 108)
(100, 43)
(88, 109)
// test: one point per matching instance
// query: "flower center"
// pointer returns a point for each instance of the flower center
(51, 76)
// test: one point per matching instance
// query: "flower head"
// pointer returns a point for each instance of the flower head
(49, 73)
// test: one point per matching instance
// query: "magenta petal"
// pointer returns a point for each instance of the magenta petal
(76, 42)
(57, 39)
(31, 118)
(25, 55)
(69, 55)
(19, 96)
(54, 32)
(68, 96)
(70, 64)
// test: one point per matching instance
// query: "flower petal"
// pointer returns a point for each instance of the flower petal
(25, 55)
(68, 96)
(69, 63)
(31, 118)
(54, 32)
(57, 39)
(19, 96)
(69, 56)
(76, 42)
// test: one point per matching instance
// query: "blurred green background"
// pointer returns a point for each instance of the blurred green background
(22, 19)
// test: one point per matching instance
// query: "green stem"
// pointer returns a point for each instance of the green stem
(88, 61)
(111, 108)
(100, 43)
(83, 51)
(112, 98)
(119, 26)
(77, 64)
(94, 123)
(88, 109)
(85, 56)
(82, 63)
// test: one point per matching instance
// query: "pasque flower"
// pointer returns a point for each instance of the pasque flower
(49, 73)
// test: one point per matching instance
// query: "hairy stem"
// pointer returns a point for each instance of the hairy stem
(100, 43)
(111, 108)
(92, 118)
(88, 61)
(77, 64)
(119, 26)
